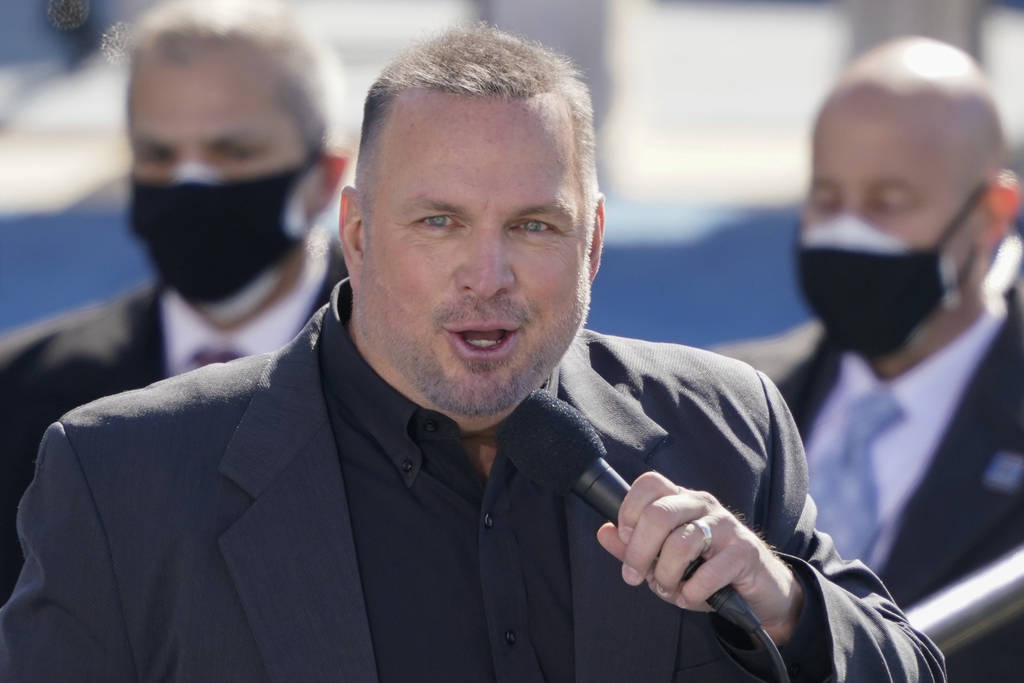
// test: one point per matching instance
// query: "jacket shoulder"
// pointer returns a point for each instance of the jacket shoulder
(176, 426)
(661, 373)
(96, 337)
(779, 356)
(200, 396)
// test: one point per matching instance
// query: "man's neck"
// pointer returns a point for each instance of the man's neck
(481, 448)
(942, 327)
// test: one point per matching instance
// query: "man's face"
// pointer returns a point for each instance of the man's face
(469, 254)
(218, 109)
(894, 162)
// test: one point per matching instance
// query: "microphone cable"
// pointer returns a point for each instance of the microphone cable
(728, 604)
(781, 674)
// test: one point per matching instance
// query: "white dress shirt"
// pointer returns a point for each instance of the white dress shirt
(186, 332)
(928, 393)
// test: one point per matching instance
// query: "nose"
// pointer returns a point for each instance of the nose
(486, 269)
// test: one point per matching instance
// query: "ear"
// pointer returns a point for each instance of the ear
(597, 238)
(1003, 204)
(351, 230)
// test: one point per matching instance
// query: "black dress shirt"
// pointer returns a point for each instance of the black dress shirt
(464, 579)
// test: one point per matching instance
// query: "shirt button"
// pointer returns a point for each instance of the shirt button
(430, 426)
(510, 637)
(407, 465)
(489, 522)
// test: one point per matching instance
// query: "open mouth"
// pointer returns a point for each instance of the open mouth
(484, 339)
(487, 342)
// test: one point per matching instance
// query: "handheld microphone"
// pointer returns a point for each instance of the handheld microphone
(557, 448)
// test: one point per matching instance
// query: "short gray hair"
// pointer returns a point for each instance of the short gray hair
(482, 61)
(307, 78)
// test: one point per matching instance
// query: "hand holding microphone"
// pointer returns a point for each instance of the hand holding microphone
(683, 543)
(659, 538)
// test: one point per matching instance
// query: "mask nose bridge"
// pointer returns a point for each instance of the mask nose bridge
(192, 171)
(849, 231)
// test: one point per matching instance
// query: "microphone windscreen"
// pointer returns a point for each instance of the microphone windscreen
(549, 441)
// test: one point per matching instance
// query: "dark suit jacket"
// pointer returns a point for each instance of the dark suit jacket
(955, 522)
(50, 368)
(198, 529)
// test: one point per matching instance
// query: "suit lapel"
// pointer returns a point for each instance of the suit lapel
(147, 339)
(621, 633)
(292, 554)
(806, 387)
(937, 536)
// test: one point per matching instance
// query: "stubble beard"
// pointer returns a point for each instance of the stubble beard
(491, 387)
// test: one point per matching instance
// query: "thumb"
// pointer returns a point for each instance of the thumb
(608, 537)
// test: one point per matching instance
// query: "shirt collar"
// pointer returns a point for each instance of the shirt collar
(371, 403)
(947, 371)
(942, 374)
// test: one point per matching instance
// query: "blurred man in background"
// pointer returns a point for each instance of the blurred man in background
(909, 386)
(232, 165)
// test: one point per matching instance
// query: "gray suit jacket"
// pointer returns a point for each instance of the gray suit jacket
(197, 530)
(960, 517)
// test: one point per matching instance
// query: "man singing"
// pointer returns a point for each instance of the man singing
(342, 510)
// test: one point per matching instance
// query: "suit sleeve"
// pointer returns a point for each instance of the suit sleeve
(64, 620)
(868, 637)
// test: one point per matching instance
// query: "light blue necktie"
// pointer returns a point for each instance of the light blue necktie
(843, 481)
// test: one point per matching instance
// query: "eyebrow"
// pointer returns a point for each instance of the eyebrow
(892, 183)
(424, 204)
(246, 136)
(557, 208)
(875, 185)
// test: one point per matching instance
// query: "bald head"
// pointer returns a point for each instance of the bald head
(931, 90)
(910, 130)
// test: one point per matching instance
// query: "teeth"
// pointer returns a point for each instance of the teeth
(482, 343)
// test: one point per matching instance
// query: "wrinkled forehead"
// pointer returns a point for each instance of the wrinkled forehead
(484, 142)
(437, 112)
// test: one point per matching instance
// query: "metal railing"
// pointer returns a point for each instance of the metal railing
(976, 604)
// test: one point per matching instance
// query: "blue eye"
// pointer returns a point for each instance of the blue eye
(437, 221)
(534, 226)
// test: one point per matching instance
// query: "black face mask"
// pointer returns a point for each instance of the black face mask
(209, 241)
(873, 303)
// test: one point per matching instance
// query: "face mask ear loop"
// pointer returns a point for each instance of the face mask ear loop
(293, 217)
(968, 206)
(948, 272)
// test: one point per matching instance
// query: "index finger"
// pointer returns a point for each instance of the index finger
(648, 488)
